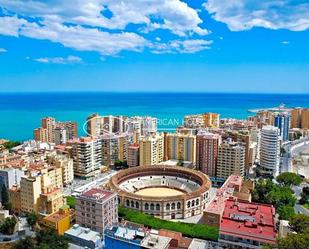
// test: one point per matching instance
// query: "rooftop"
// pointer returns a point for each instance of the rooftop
(249, 220)
(83, 233)
(97, 194)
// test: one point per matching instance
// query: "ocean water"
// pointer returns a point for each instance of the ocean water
(21, 113)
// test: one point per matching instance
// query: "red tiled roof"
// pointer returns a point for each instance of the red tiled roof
(96, 193)
(249, 220)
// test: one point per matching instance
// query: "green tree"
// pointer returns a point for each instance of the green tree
(5, 198)
(294, 241)
(32, 219)
(299, 223)
(289, 179)
(8, 226)
(51, 239)
(286, 212)
(71, 201)
(280, 196)
(262, 187)
(26, 243)
(10, 144)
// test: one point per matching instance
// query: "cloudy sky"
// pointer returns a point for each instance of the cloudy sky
(154, 45)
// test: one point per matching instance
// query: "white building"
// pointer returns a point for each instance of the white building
(270, 150)
(87, 156)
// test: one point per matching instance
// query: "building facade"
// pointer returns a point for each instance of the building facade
(151, 149)
(270, 150)
(97, 209)
(231, 160)
(207, 148)
(282, 121)
(180, 147)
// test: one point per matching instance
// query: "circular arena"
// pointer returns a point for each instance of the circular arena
(166, 192)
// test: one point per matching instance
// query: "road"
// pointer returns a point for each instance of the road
(292, 149)
(80, 185)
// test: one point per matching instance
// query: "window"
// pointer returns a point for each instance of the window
(173, 206)
(132, 203)
(168, 206)
(127, 203)
(146, 206)
(136, 204)
(178, 205)
(197, 202)
(151, 206)
(188, 204)
(157, 206)
(193, 203)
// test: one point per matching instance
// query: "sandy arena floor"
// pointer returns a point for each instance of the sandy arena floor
(158, 192)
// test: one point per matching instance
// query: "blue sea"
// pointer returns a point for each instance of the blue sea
(21, 113)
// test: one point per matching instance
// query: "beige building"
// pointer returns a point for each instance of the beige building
(55, 132)
(30, 190)
(205, 120)
(115, 148)
(231, 160)
(15, 199)
(51, 201)
(133, 155)
(305, 119)
(151, 150)
(296, 118)
(180, 147)
(66, 165)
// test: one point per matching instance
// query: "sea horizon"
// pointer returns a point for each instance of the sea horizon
(20, 112)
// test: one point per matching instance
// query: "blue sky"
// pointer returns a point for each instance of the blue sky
(154, 45)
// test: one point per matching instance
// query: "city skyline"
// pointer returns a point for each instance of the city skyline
(170, 46)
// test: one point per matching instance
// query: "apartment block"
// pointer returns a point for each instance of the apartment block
(97, 209)
(179, 146)
(133, 155)
(52, 131)
(87, 155)
(231, 159)
(30, 190)
(207, 147)
(115, 147)
(270, 151)
(151, 149)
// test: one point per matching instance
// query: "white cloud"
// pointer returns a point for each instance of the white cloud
(181, 46)
(3, 50)
(60, 60)
(174, 15)
(272, 14)
(82, 25)
(285, 42)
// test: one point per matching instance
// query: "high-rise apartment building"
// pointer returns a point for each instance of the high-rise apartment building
(115, 147)
(101, 125)
(151, 149)
(270, 150)
(87, 155)
(97, 209)
(282, 121)
(180, 147)
(52, 131)
(207, 147)
(231, 159)
(296, 118)
(305, 119)
(133, 155)
(205, 120)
